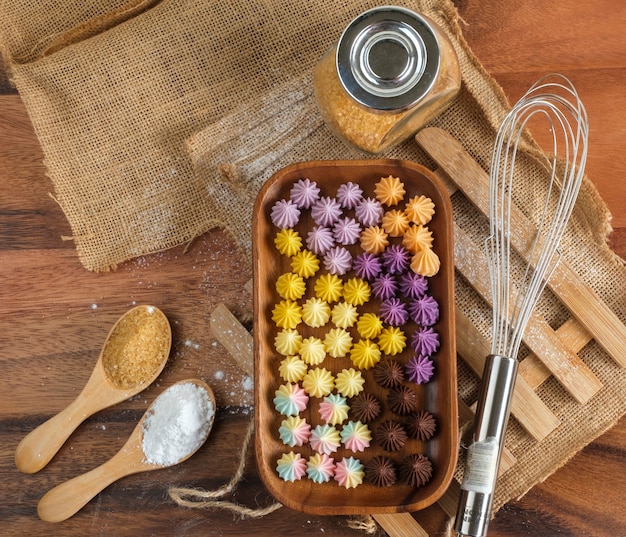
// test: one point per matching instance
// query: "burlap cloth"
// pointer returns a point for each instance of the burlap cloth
(159, 121)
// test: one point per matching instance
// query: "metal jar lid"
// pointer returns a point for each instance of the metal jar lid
(388, 58)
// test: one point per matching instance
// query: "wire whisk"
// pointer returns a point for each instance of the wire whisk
(515, 291)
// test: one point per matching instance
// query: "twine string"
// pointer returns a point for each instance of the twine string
(211, 499)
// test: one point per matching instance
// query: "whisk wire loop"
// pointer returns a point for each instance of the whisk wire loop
(552, 99)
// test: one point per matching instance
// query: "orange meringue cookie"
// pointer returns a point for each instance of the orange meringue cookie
(425, 263)
(395, 222)
(420, 210)
(389, 190)
(417, 238)
(374, 240)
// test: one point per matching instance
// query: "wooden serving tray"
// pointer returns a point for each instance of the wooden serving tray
(439, 396)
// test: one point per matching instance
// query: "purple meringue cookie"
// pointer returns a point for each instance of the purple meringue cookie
(369, 212)
(424, 311)
(413, 285)
(304, 193)
(285, 214)
(338, 260)
(346, 231)
(425, 341)
(326, 211)
(319, 240)
(349, 195)
(396, 259)
(393, 312)
(367, 266)
(419, 369)
(385, 286)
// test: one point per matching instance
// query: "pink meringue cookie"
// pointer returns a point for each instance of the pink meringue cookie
(294, 431)
(349, 472)
(349, 195)
(285, 214)
(338, 260)
(291, 466)
(334, 409)
(356, 436)
(326, 211)
(325, 439)
(290, 399)
(320, 468)
(304, 193)
(419, 369)
(424, 311)
(319, 240)
(369, 212)
(346, 231)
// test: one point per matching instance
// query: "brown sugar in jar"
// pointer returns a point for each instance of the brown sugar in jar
(391, 72)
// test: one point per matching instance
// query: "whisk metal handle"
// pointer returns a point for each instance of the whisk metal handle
(483, 458)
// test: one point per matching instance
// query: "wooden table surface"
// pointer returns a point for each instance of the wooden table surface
(54, 316)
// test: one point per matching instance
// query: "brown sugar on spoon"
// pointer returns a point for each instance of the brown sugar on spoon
(131, 355)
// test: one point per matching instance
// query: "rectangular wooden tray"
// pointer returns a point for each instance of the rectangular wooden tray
(439, 396)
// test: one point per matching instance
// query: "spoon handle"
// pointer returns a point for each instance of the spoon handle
(66, 499)
(39, 446)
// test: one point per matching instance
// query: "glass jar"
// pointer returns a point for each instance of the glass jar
(390, 73)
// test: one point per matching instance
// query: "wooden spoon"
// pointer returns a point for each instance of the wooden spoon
(68, 498)
(133, 356)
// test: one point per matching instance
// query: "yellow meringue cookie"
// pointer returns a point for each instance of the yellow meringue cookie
(420, 210)
(287, 342)
(344, 315)
(287, 314)
(292, 369)
(349, 382)
(389, 190)
(425, 263)
(288, 242)
(315, 312)
(318, 382)
(312, 350)
(329, 287)
(337, 342)
(305, 263)
(356, 291)
(365, 354)
(369, 325)
(392, 340)
(374, 240)
(290, 286)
